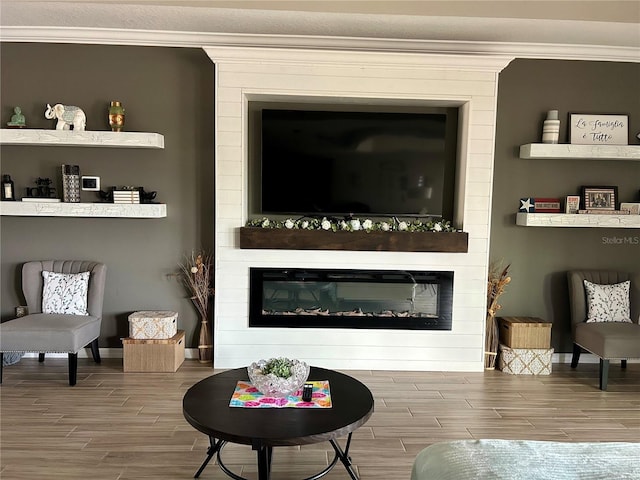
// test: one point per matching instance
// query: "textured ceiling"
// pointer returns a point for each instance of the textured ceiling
(605, 10)
(604, 23)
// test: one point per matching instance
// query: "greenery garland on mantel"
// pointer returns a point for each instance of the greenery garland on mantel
(351, 224)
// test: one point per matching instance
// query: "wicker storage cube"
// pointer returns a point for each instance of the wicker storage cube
(524, 332)
(164, 355)
(525, 361)
(153, 324)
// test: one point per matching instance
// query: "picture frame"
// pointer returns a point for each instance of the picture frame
(598, 129)
(599, 198)
(90, 183)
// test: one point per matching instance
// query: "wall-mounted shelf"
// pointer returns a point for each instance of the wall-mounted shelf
(98, 210)
(70, 138)
(557, 151)
(577, 220)
(268, 238)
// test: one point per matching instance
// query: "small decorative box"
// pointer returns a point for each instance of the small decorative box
(165, 355)
(524, 332)
(525, 361)
(126, 196)
(153, 325)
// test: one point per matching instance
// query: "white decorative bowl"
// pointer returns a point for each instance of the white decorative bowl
(273, 386)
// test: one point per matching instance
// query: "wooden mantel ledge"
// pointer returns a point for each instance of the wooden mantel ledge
(295, 239)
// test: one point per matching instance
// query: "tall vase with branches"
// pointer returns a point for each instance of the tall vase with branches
(197, 276)
(497, 281)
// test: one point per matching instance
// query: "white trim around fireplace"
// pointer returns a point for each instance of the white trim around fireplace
(270, 74)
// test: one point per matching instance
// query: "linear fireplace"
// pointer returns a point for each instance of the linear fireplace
(387, 299)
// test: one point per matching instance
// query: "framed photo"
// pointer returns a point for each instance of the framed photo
(586, 129)
(599, 198)
(91, 184)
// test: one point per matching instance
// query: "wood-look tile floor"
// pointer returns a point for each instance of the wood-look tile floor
(117, 426)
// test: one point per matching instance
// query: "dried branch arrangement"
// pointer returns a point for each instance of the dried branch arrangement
(197, 272)
(196, 275)
(498, 279)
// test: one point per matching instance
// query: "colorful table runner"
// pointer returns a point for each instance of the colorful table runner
(246, 395)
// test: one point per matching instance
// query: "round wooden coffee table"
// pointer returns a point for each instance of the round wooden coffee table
(206, 407)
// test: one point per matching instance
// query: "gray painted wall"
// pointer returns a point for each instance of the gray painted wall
(164, 90)
(170, 91)
(540, 257)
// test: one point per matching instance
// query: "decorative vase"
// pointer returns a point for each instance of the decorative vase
(70, 183)
(551, 127)
(116, 116)
(491, 343)
(205, 346)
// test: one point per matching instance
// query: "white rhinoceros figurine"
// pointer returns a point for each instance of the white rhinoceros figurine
(67, 116)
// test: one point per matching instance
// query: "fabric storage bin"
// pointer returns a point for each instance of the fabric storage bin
(152, 324)
(525, 361)
(524, 332)
(164, 355)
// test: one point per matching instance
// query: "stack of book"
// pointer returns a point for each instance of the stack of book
(41, 199)
(602, 211)
(126, 196)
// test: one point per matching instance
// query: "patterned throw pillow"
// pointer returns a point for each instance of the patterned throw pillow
(65, 293)
(608, 303)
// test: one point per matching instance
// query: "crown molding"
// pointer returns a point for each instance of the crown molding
(109, 36)
(423, 59)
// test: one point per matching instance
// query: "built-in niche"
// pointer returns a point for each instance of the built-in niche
(337, 159)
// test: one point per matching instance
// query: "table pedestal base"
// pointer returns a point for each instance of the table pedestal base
(265, 455)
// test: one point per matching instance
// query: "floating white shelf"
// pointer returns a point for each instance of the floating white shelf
(577, 220)
(98, 210)
(559, 151)
(66, 138)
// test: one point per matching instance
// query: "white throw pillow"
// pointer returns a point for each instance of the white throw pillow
(608, 303)
(65, 293)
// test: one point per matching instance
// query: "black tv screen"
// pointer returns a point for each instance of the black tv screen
(357, 163)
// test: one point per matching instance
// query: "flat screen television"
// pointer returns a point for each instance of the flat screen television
(361, 163)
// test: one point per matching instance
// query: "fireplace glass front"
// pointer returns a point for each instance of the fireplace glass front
(388, 299)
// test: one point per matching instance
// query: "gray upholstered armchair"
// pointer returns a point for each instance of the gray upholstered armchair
(65, 311)
(609, 340)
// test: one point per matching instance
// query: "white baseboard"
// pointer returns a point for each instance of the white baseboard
(584, 358)
(192, 353)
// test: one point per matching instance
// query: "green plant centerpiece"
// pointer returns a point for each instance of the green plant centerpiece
(280, 367)
(278, 377)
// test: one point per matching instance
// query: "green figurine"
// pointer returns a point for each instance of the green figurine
(17, 119)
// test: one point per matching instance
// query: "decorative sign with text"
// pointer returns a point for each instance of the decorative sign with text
(599, 129)
(539, 205)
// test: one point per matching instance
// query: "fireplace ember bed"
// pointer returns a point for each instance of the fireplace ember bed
(377, 299)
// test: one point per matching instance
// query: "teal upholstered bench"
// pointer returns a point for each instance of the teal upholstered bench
(527, 460)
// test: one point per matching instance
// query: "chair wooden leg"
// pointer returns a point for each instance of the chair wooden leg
(73, 368)
(604, 373)
(623, 364)
(576, 355)
(1, 362)
(95, 351)
(41, 357)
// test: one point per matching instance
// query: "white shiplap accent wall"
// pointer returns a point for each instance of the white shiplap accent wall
(272, 74)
